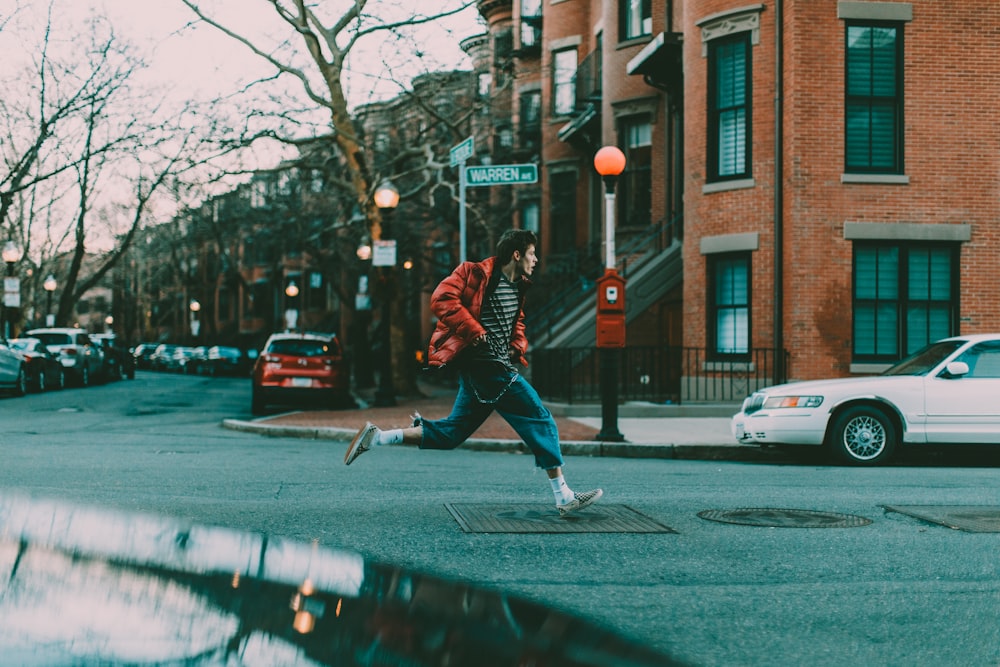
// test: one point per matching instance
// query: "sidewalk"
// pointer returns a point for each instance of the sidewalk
(650, 431)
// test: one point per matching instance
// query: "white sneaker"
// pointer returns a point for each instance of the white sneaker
(580, 500)
(361, 443)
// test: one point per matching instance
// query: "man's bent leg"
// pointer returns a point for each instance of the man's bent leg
(522, 408)
(467, 415)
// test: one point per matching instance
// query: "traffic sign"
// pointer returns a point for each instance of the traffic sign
(501, 174)
(461, 152)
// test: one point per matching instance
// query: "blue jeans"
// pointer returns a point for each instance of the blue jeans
(519, 405)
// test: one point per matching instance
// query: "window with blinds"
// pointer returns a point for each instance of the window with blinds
(873, 141)
(905, 296)
(729, 107)
(729, 308)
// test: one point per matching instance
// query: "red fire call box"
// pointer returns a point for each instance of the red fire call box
(611, 309)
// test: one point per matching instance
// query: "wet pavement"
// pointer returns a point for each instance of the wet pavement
(87, 586)
(649, 430)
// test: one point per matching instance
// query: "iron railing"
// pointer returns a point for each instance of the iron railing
(656, 374)
(570, 279)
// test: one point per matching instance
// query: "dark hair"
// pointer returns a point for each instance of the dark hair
(514, 240)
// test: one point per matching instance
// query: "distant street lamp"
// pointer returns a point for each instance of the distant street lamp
(11, 285)
(50, 287)
(194, 307)
(386, 198)
(291, 313)
(610, 163)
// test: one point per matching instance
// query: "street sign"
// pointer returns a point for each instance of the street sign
(501, 174)
(461, 152)
(384, 252)
(12, 292)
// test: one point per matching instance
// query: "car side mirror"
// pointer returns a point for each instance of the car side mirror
(957, 369)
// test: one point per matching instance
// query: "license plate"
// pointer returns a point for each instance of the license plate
(739, 431)
(301, 382)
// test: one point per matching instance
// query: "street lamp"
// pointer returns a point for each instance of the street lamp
(386, 198)
(194, 307)
(11, 285)
(50, 287)
(291, 313)
(610, 163)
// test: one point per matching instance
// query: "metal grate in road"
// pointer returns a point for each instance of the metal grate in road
(477, 518)
(970, 518)
(770, 517)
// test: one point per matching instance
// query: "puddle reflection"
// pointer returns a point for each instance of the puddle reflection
(85, 586)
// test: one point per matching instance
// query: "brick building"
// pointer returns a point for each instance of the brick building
(833, 164)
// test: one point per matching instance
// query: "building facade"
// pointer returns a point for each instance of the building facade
(829, 168)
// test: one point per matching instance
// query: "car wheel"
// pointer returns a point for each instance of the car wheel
(85, 377)
(21, 386)
(61, 379)
(40, 382)
(863, 435)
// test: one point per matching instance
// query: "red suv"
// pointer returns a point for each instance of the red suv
(298, 368)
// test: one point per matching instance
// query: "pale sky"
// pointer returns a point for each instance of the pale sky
(191, 62)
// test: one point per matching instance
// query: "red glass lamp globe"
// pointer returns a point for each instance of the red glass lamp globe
(609, 161)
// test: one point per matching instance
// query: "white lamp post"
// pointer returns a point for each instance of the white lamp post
(50, 287)
(386, 198)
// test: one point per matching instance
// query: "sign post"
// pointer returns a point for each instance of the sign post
(458, 155)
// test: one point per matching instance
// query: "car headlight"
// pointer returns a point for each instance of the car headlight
(772, 402)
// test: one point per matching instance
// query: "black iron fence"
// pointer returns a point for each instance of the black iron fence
(660, 374)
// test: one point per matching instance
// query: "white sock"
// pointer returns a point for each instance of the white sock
(391, 437)
(562, 492)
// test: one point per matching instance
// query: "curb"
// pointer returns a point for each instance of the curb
(706, 452)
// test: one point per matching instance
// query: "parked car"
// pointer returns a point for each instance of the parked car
(79, 355)
(183, 359)
(43, 368)
(13, 375)
(223, 360)
(118, 360)
(142, 353)
(161, 357)
(298, 368)
(945, 393)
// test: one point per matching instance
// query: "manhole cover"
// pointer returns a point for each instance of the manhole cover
(475, 518)
(970, 518)
(771, 517)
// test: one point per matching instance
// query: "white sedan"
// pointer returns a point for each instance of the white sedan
(948, 392)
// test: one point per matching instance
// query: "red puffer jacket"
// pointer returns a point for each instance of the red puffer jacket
(458, 303)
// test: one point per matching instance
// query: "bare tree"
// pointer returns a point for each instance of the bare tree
(327, 42)
(315, 55)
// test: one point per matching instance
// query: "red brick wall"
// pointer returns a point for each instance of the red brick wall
(951, 147)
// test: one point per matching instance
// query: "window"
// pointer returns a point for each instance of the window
(483, 82)
(563, 211)
(564, 81)
(983, 360)
(729, 307)
(531, 23)
(529, 216)
(905, 296)
(635, 194)
(729, 107)
(531, 120)
(635, 19)
(873, 141)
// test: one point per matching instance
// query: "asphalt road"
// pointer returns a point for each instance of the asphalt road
(898, 591)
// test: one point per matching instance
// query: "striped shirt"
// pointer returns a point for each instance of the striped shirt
(498, 317)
